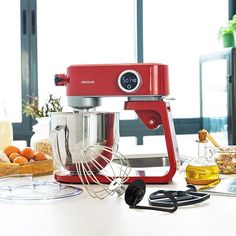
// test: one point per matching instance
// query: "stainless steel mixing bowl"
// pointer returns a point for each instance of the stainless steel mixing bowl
(71, 133)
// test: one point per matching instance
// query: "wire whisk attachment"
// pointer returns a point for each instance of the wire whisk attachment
(99, 174)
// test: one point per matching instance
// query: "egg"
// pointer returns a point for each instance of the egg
(3, 157)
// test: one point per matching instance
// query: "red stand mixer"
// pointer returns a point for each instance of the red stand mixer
(145, 86)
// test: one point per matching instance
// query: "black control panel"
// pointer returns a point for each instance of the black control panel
(129, 81)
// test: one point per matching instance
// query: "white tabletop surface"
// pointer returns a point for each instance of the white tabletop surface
(84, 215)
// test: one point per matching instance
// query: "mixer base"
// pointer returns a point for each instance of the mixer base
(63, 176)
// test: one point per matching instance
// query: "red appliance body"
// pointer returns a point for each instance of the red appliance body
(144, 84)
(102, 80)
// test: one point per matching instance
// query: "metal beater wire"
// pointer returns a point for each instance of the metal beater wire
(88, 176)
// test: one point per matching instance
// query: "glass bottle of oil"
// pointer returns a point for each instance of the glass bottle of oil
(6, 130)
(202, 170)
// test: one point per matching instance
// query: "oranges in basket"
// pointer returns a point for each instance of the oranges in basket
(20, 160)
(23, 156)
(11, 149)
(27, 153)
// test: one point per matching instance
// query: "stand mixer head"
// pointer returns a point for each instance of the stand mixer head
(145, 86)
(86, 84)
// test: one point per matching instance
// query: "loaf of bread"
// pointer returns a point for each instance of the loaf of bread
(35, 168)
(8, 169)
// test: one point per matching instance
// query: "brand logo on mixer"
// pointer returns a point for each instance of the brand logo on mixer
(87, 82)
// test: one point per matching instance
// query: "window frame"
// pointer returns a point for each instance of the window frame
(29, 80)
(23, 130)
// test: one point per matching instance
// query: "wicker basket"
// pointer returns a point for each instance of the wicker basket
(36, 168)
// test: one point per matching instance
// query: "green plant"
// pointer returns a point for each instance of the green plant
(227, 33)
(228, 28)
(232, 23)
(225, 30)
(33, 109)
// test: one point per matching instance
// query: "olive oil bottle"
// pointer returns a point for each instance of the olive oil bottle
(202, 170)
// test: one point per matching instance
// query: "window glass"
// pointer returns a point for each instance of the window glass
(10, 58)
(79, 32)
(177, 33)
(215, 111)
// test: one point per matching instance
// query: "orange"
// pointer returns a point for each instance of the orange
(20, 160)
(13, 156)
(27, 153)
(10, 149)
(39, 156)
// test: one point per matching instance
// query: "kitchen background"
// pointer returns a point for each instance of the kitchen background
(41, 38)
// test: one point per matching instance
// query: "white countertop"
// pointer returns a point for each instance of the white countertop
(83, 215)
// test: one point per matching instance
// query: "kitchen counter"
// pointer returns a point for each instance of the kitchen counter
(84, 215)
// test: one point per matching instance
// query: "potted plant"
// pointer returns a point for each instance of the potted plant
(226, 33)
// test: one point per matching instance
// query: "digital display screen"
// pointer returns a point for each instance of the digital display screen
(129, 81)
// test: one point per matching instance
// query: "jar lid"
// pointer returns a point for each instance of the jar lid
(26, 189)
